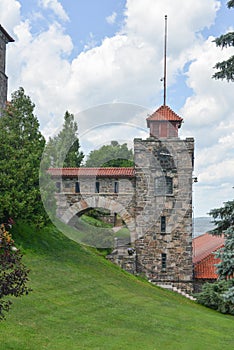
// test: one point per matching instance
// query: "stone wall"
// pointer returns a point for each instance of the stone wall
(3, 77)
(163, 171)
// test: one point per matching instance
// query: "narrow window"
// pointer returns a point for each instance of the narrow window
(97, 186)
(169, 185)
(77, 189)
(116, 187)
(164, 261)
(58, 187)
(163, 224)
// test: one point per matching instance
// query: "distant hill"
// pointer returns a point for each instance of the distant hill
(202, 225)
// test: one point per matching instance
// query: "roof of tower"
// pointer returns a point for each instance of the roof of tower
(9, 38)
(164, 113)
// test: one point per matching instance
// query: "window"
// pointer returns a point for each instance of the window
(163, 224)
(77, 187)
(58, 187)
(97, 187)
(163, 185)
(116, 187)
(164, 261)
(169, 185)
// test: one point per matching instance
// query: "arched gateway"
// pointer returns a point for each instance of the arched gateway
(154, 198)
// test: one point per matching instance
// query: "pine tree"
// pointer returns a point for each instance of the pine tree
(224, 221)
(225, 68)
(63, 149)
(21, 150)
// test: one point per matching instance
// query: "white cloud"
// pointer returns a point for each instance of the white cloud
(112, 18)
(56, 7)
(9, 14)
(127, 68)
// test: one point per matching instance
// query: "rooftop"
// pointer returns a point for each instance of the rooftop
(86, 172)
(204, 245)
(164, 113)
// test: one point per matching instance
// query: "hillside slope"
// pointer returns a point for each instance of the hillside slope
(82, 301)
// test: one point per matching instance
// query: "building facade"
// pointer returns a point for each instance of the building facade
(5, 38)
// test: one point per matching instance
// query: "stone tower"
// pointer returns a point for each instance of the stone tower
(5, 38)
(163, 170)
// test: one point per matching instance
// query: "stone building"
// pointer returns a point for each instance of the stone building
(5, 38)
(154, 199)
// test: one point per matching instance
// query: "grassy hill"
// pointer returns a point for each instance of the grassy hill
(82, 301)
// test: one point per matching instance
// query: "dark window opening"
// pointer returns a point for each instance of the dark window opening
(58, 187)
(164, 261)
(116, 187)
(77, 189)
(163, 224)
(97, 187)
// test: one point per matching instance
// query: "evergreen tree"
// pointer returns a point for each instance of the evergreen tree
(63, 149)
(21, 150)
(113, 155)
(224, 221)
(225, 68)
(220, 295)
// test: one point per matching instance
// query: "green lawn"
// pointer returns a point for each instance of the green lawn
(81, 301)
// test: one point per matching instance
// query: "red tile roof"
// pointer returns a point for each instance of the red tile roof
(164, 113)
(86, 172)
(203, 248)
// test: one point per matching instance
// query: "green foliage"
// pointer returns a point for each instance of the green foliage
(225, 68)
(224, 221)
(63, 149)
(218, 296)
(82, 301)
(13, 273)
(113, 155)
(21, 150)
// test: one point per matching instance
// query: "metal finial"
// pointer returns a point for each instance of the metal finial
(165, 64)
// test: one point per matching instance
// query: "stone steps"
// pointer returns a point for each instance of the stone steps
(173, 289)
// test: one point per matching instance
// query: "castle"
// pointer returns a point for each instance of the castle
(154, 198)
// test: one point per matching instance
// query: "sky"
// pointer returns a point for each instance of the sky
(103, 62)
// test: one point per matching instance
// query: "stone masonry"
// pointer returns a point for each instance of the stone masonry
(4, 39)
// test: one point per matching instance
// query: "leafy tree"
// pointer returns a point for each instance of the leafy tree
(63, 149)
(220, 295)
(225, 68)
(13, 273)
(113, 155)
(21, 150)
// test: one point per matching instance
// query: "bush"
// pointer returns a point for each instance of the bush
(13, 274)
(218, 296)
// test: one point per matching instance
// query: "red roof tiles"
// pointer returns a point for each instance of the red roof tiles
(87, 172)
(204, 260)
(164, 113)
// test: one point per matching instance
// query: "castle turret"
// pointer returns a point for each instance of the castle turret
(164, 123)
(5, 38)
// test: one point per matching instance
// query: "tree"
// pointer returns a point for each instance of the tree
(113, 155)
(220, 295)
(63, 149)
(13, 273)
(224, 221)
(21, 150)
(225, 68)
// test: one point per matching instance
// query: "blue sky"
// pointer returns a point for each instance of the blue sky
(88, 56)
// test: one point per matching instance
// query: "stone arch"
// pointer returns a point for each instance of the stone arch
(105, 203)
